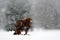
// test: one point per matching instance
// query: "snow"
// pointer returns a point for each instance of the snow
(3, 10)
(40, 34)
(34, 35)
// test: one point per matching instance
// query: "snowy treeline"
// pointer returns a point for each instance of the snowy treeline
(45, 13)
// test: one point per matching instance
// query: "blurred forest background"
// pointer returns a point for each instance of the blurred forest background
(45, 13)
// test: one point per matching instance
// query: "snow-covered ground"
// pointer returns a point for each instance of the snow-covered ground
(39, 10)
(34, 35)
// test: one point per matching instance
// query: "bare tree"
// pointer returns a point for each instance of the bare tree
(16, 9)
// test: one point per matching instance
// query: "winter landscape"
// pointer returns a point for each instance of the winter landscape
(45, 15)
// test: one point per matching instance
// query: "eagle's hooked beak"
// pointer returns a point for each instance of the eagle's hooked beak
(31, 21)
